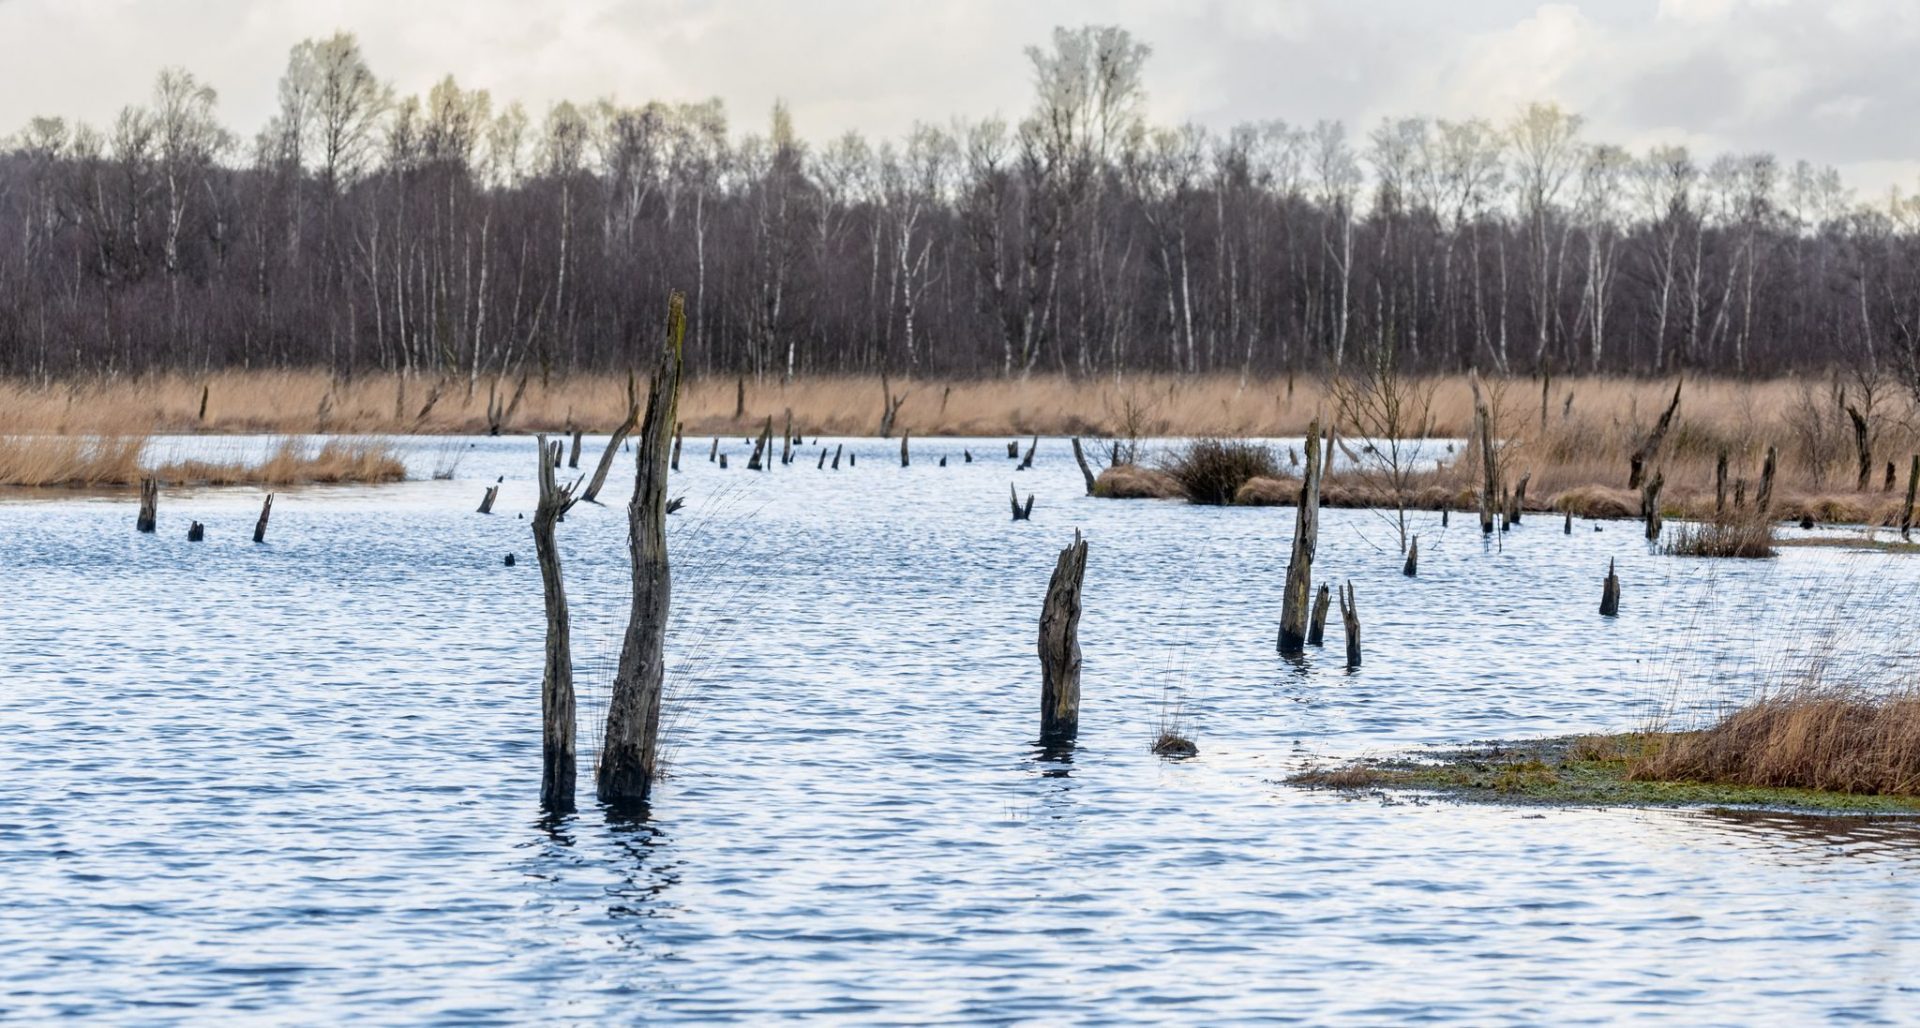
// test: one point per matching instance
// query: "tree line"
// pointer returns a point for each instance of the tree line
(451, 236)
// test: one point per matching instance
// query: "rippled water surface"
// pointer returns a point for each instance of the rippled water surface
(297, 782)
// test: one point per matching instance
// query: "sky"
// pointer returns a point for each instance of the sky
(1830, 81)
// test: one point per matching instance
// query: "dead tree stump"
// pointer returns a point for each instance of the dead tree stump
(1650, 504)
(1650, 447)
(630, 753)
(1520, 497)
(968, 454)
(1567, 527)
(1350, 617)
(1906, 512)
(1013, 450)
(149, 517)
(714, 454)
(837, 447)
(904, 460)
(1020, 513)
(675, 463)
(1763, 500)
(822, 466)
(196, 532)
(1080, 458)
(486, 502)
(558, 769)
(1317, 628)
(1299, 586)
(786, 440)
(1028, 461)
(1720, 485)
(1060, 646)
(1412, 566)
(1489, 467)
(1610, 594)
(260, 526)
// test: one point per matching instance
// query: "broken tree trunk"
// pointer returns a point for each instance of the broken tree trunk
(1650, 504)
(1763, 500)
(1567, 527)
(714, 453)
(1293, 603)
(1489, 468)
(837, 447)
(1862, 446)
(1412, 566)
(1610, 594)
(889, 407)
(557, 762)
(762, 459)
(196, 531)
(1080, 458)
(1031, 450)
(1018, 513)
(786, 441)
(823, 460)
(1650, 447)
(573, 456)
(1520, 497)
(904, 460)
(1060, 646)
(486, 502)
(677, 438)
(599, 479)
(1720, 485)
(740, 398)
(149, 517)
(1906, 511)
(629, 755)
(260, 526)
(1013, 450)
(1317, 628)
(1350, 617)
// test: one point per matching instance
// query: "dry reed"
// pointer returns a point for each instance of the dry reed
(115, 461)
(1814, 737)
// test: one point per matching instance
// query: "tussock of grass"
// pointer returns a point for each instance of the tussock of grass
(1211, 471)
(1133, 482)
(1598, 501)
(1748, 537)
(1268, 492)
(1829, 739)
(100, 462)
(1171, 743)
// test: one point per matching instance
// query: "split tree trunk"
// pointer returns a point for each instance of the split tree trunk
(558, 769)
(149, 517)
(1293, 604)
(1610, 594)
(1650, 447)
(1080, 458)
(486, 502)
(629, 756)
(1350, 617)
(1060, 646)
(1317, 630)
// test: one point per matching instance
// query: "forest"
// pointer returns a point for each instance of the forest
(458, 236)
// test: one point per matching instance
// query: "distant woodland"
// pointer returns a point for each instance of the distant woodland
(455, 235)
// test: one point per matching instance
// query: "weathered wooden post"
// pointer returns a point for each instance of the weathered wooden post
(677, 437)
(714, 454)
(1412, 566)
(723, 462)
(1763, 500)
(1906, 512)
(762, 459)
(1887, 485)
(260, 526)
(1293, 603)
(486, 502)
(1720, 485)
(740, 398)
(1520, 497)
(822, 466)
(1567, 527)
(149, 517)
(573, 456)
(1350, 617)
(1650, 504)
(557, 762)
(1506, 509)
(1080, 458)
(837, 447)
(904, 461)
(196, 531)
(1317, 628)
(1060, 646)
(1013, 450)
(1610, 594)
(629, 755)
(1028, 462)
(620, 432)
(204, 390)
(786, 440)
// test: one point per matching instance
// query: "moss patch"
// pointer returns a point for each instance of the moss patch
(1582, 771)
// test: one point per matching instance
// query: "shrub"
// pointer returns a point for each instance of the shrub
(1213, 470)
(1750, 537)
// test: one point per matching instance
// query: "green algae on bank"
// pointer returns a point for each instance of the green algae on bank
(1576, 771)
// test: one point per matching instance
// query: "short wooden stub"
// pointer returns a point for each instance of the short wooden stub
(1317, 628)
(713, 455)
(1013, 450)
(1720, 485)
(723, 462)
(1610, 594)
(1350, 617)
(853, 460)
(260, 526)
(1060, 646)
(968, 455)
(486, 502)
(1412, 566)
(675, 464)
(1763, 500)
(1519, 507)
(558, 769)
(786, 440)
(943, 461)
(1650, 503)
(1080, 458)
(1031, 450)
(1299, 585)
(1567, 526)
(573, 453)
(905, 461)
(1014, 493)
(149, 517)
(821, 466)
(196, 532)
(836, 454)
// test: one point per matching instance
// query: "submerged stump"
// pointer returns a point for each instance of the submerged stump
(1060, 646)
(260, 526)
(149, 517)
(1610, 594)
(1293, 604)
(558, 770)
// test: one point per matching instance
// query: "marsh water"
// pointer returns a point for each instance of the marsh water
(296, 782)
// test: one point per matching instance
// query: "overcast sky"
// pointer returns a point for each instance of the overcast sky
(1829, 80)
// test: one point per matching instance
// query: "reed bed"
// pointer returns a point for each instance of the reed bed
(115, 461)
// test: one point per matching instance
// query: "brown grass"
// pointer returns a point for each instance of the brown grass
(112, 461)
(1811, 738)
(1132, 482)
(1747, 537)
